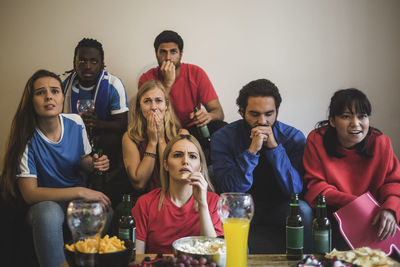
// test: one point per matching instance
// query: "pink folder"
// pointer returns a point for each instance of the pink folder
(354, 221)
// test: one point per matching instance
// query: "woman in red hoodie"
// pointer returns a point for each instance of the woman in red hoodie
(345, 157)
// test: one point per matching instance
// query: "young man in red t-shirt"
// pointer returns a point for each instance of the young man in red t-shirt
(187, 85)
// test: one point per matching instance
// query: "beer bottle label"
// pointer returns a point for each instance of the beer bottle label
(294, 237)
(125, 233)
(322, 241)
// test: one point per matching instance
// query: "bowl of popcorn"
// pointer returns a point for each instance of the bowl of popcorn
(201, 250)
(112, 251)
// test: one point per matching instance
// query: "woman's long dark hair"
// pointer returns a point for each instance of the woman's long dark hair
(22, 129)
(351, 99)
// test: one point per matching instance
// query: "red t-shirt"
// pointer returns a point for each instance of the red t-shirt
(342, 180)
(159, 228)
(191, 88)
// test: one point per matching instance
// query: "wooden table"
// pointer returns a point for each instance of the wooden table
(273, 260)
(252, 260)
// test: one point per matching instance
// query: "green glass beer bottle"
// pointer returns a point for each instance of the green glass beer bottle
(321, 230)
(203, 130)
(96, 179)
(294, 230)
(126, 224)
(99, 152)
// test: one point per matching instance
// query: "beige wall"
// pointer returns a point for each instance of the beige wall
(308, 48)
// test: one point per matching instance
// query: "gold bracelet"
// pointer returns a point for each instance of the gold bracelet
(152, 155)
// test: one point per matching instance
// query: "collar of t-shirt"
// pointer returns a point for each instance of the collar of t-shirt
(85, 92)
(188, 205)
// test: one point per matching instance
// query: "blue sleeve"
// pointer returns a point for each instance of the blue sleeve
(286, 161)
(117, 97)
(233, 165)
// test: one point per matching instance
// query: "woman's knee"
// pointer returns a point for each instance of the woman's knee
(46, 213)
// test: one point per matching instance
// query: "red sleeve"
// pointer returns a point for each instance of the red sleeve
(389, 193)
(140, 213)
(206, 89)
(213, 208)
(315, 160)
(143, 79)
(151, 74)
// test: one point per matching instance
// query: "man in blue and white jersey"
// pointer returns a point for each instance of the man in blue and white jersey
(108, 120)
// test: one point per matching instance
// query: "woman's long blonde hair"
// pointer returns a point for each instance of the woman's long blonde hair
(138, 123)
(164, 174)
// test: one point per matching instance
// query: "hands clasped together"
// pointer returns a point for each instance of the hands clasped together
(262, 135)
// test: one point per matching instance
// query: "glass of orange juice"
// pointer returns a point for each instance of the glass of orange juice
(236, 211)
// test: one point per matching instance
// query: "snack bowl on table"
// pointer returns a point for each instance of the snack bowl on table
(116, 259)
(197, 247)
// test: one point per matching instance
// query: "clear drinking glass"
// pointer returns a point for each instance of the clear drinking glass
(83, 105)
(236, 211)
(86, 219)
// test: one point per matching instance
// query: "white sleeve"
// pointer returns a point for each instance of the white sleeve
(27, 166)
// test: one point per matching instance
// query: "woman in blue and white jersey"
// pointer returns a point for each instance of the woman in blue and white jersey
(45, 160)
